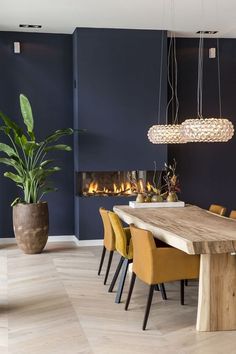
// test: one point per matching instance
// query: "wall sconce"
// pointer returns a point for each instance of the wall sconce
(17, 47)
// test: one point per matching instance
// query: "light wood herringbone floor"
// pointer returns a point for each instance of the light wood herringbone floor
(55, 303)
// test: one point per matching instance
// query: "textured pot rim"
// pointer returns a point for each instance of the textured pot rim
(29, 204)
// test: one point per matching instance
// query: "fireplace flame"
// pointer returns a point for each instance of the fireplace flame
(124, 188)
(115, 188)
(128, 189)
(93, 187)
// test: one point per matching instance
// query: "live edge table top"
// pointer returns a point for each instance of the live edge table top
(190, 229)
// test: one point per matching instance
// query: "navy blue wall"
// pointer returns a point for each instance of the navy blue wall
(43, 72)
(116, 75)
(117, 94)
(207, 171)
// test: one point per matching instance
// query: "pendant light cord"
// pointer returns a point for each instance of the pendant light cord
(160, 78)
(176, 83)
(200, 66)
(219, 78)
(170, 78)
(218, 60)
(200, 76)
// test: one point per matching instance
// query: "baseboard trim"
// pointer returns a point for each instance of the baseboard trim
(62, 238)
(86, 243)
(4, 240)
(73, 238)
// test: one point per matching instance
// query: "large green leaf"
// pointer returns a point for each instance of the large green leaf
(11, 162)
(58, 134)
(5, 129)
(58, 147)
(45, 163)
(46, 190)
(21, 140)
(16, 201)
(26, 112)
(36, 173)
(14, 177)
(30, 147)
(7, 150)
(52, 170)
(32, 136)
(40, 173)
(43, 174)
(9, 123)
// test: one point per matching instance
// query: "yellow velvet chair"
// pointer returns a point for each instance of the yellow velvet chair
(218, 209)
(232, 215)
(108, 242)
(154, 265)
(124, 247)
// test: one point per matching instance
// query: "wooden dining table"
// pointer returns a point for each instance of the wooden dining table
(197, 231)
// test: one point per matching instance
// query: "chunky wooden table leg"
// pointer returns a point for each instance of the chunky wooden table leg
(217, 293)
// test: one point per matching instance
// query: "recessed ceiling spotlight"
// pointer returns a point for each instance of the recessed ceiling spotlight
(30, 26)
(207, 32)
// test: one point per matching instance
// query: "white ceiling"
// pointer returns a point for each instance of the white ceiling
(63, 16)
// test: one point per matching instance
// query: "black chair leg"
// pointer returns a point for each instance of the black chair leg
(163, 291)
(102, 259)
(182, 292)
(186, 282)
(108, 266)
(149, 302)
(133, 278)
(116, 274)
(122, 281)
(157, 287)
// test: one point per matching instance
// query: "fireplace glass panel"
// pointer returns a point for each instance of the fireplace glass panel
(115, 183)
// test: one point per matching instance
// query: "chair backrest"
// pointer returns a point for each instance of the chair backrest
(154, 264)
(217, 209)
(120, 235)
(109, 236)
(143, 247)
(232, 215)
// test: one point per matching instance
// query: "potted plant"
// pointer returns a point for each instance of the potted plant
(32, 168)
(172, 182)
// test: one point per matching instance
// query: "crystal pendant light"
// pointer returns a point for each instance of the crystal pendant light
(210, 130)
(168, 133)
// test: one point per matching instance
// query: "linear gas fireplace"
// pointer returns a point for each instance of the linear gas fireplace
(115, 183)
